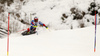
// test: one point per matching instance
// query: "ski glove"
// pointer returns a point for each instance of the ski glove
(46, 27)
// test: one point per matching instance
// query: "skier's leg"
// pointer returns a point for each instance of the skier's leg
(28, 30)
(33, 30)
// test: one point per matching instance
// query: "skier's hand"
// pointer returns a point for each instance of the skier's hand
(46, 27)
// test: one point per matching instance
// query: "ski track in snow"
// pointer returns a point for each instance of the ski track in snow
(77, 42)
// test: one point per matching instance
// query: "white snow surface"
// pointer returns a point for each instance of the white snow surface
(77, 42)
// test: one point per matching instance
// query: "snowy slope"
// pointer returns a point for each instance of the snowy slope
(77, 42)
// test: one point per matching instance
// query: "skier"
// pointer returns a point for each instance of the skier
(34, 24)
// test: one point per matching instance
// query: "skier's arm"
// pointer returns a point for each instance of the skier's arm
(32, 22)
(43, 25)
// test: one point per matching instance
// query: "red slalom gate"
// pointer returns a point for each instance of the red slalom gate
(8, 35)
(95, 32)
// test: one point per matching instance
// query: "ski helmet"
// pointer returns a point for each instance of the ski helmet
(35, 19)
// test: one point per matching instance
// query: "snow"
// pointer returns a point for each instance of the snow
(55, 41)
(77, 42)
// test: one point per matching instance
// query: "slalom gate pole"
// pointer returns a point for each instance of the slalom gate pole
(8, 35)
(95, 32)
